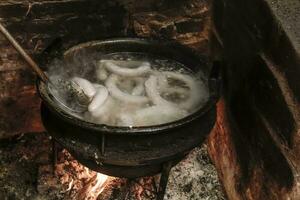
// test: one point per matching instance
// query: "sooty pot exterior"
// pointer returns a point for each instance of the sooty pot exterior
(138, 151)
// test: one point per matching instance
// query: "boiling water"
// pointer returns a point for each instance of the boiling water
(131, 89)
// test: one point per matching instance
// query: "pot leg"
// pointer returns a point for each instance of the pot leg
(166, 168)
(129, 183)
(54, 155)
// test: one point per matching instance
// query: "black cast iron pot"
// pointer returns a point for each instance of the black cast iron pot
(137, 151)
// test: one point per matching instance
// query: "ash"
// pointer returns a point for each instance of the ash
(26, 172)
(194, 178)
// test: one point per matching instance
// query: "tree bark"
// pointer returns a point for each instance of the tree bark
(255, 144)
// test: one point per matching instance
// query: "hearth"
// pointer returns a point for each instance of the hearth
(254, 144)
(30, 159)
(138, 151)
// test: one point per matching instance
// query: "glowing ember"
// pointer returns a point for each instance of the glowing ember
(79, 181)
(99, 186)
(93, 187)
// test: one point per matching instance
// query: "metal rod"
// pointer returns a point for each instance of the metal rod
(164, 180)
(129, 183)
(54, 154)
(23, 53)
(103, 145)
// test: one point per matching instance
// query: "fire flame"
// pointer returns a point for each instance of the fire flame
(79, 182)
(93, 187)
(99, 185)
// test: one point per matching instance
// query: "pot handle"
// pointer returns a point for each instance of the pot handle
(215, 80)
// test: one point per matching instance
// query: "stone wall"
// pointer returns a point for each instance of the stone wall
(35, 24)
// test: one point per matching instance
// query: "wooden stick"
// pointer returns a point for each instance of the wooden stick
(22, 52)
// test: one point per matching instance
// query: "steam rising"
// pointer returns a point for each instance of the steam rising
(132, 89)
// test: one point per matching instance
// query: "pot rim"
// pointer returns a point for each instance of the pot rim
(117, 130)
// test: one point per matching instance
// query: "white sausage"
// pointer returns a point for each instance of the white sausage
(104, 109)
(86, 86)
(162, 80)
(151, 86)
(101, 72)
(139, 89)
(111, 84)
(196, 91)
(125, 120)
(130, 72)
(177, 90)
(99, 98)
(158, 115)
